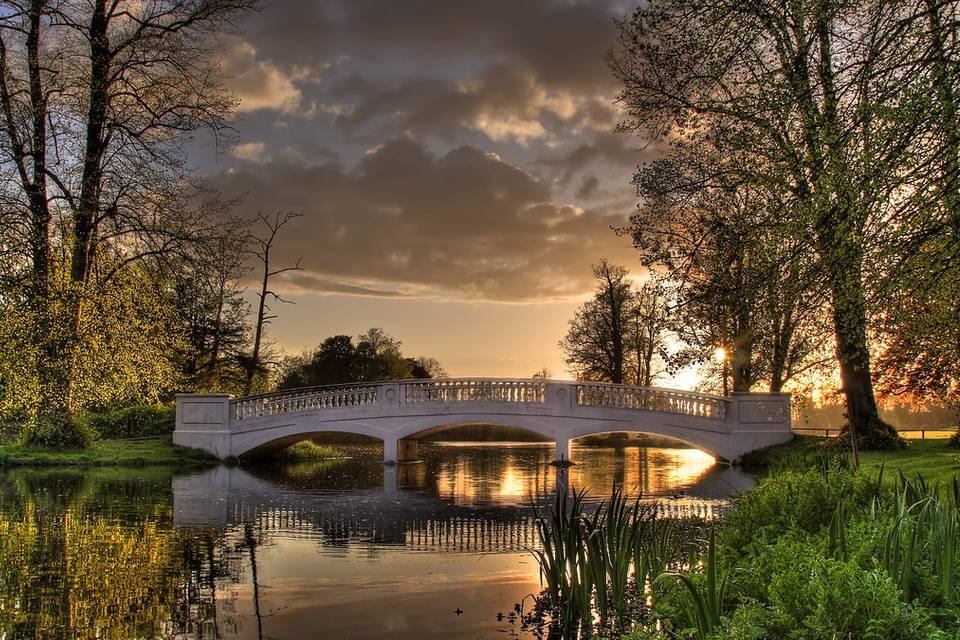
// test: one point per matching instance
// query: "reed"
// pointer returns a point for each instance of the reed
(595, 565)
(703, 604)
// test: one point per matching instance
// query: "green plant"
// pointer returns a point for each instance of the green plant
(57, 434)
(562, 559)
(138, 421)
(307, 451)
(703, 605)
(837, 537)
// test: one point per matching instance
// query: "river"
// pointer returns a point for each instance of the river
(346, 549)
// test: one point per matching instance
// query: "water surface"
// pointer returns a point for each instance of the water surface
(347, 549)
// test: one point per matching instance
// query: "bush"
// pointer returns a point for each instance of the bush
(791, 500)
(879, 437)
(58, 434)
(954, 440)
(307, 451)
(139, 421)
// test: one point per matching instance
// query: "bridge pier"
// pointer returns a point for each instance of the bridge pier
(561, 456)
(396, 450)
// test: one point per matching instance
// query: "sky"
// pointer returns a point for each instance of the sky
(455, 164)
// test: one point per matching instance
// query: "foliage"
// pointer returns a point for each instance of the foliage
(138, 421)
(600, 563)
(100, 200)
(307, 451)
(820, 554)
(618, 335)
(810, 145)
(338, 360)
(790, 500)
(128, 345)
(50, 434)
(703, 600)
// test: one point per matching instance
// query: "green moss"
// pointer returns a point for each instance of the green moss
(103, 453)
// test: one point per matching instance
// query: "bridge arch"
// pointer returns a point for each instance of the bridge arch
(397, 412)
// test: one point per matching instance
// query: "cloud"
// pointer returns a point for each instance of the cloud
(602, 148)
(561, 42)
(407, 221)
(255, 152)
(260, 84)
(588, 187)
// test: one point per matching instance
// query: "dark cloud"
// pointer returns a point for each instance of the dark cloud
(561, 42)
(604, 147)
(407, 221)
(588, 187)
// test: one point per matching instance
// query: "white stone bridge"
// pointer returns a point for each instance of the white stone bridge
(400, 412)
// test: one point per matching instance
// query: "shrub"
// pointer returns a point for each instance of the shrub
(307, 451)
(59, 434)
(880, 437)
(138, 421)
(792, 500)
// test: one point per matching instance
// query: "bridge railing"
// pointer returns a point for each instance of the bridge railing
(333, 397)
(474, 389)
(453, 390)
(617, 396)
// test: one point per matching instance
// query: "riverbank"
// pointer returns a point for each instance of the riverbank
(101, 453)
(936, 460)
(815, 550)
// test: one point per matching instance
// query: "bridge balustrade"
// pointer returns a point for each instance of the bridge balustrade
(474, 389)
(618, 396)
(305, 400)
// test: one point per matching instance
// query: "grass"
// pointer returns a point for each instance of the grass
(936, 460)
(103, 453)
(308, 451)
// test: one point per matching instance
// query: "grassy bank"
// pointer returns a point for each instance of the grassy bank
(935, 460)
(820, 552)
(103, 453)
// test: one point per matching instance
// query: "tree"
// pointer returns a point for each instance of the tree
(96, 99)
(618, 335)
(374, 357)
(595, 344)
(650, 320)
(208, 293)
(262, 246)
(811, 95)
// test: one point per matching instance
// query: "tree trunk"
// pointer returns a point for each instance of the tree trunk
(88, 206)
(254, 363)
(87, 211)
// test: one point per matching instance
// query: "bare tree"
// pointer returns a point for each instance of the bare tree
(263, 243)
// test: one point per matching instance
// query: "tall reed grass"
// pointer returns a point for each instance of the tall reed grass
(597, 567)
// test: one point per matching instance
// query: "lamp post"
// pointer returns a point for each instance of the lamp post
(720, 355)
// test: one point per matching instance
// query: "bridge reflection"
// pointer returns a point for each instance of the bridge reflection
(456, 505)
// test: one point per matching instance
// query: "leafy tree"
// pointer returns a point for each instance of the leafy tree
(129, 347)
(338, 360)
(618, 334)
(96, 100)
(815, 101)
(208, 293)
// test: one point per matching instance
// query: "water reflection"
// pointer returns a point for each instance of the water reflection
(347, 549)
